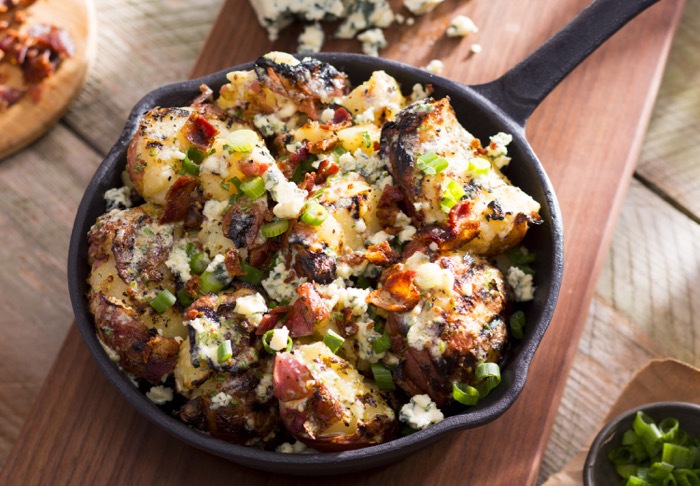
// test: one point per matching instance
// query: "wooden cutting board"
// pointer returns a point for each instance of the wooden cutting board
(27, 120)
(588, 134)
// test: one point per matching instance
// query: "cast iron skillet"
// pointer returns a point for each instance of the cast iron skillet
(502, 105)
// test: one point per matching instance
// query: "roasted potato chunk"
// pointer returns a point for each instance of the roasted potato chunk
(327, 404)
(452, 183)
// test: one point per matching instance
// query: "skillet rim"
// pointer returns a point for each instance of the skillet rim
(490, 409)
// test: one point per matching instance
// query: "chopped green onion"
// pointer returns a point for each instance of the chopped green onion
(466, 396)
(679, 456)
(382, 344)
(276, 228)
(224, 352)
(333, 340)
(242, 140)
(517, 323)
(626, 470)
(266, 342)
(636, 481)
(659, 470)
(646, 428)
(252, 275)
(190, 167)
(432, 164)
(214, 280)
(199, 262)
(314, 214)
(195, 155)
(253, 187)
(382, 376)
(489, 376)
(184, 298)
(669, 429)
(339, 151)
(363, 282)
(153, 152)
(479, 165)
(517, 256)
(452, 193)
(366, 139)
(163, 301)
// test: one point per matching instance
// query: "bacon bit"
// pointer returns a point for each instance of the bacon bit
(326, 169)
(232, 260)
(306, 311)
(346, 325)
(260, 256)
(398, 293)
(192, 286)
(242, 220)
(388, 205)
(271, 318)
(382, 254)
(461, 225)
(309, 182)
(420, 243)
(323, 145)
(199, 131)
(341, 119)
(253, 168)
(476, 146)
(289, 166)
(178, 199)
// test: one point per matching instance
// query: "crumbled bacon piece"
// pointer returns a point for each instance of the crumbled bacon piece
(398, 292)
(388, 205)
(382, 254)
(271, 318)
(232, 261)
(178, 199)
(253, 168)
(309, 181)
(341, 119)
(199, 131)
(306, 311)
(326, 169)
(323, 145)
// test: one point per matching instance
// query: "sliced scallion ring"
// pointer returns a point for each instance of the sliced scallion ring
(224, 352)
(276, 228)
(314, 214)
(489, 376)
(199, 262)
(163, 301)
(190, 167)
(333, 340)
(252, 275)
(184, 298)
(432, 164)
(242, 140)
(195, 155)
(479, 165)
(266, 342)
(253, 187)
(382, 376)
(382, 344)
(466, 394)
(679, 456)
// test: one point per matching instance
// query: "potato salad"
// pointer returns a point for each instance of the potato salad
(300, 265)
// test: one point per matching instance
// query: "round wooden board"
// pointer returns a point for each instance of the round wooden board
(27, 120)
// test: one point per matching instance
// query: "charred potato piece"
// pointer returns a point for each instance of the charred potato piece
(491, 216)
(458, 322)
(325, 403)
(314, 250)
(235, 407)
(380, 95)
(139, 350)
(128, 253)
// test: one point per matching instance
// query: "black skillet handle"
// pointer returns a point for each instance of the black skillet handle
(519, 91)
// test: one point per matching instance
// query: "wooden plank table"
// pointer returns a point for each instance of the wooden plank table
(588, 134)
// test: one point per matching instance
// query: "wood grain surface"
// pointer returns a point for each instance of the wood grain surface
(24, 122)
(585, 135)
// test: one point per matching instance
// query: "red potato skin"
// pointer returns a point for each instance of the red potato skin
(142, 351)
(294, 381)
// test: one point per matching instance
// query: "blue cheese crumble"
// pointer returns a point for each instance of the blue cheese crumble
(420, 412)
(521, 283)
(461, 26)
(160, 395)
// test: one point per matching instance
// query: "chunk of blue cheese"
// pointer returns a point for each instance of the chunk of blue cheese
(275, 15)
